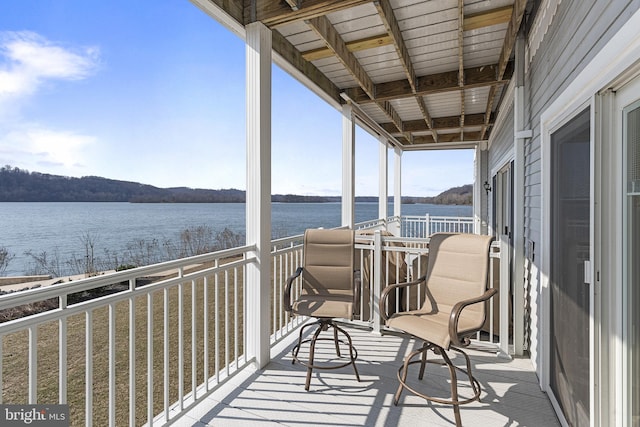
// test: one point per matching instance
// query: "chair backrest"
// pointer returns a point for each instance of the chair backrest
(328, 262)
(457, 270)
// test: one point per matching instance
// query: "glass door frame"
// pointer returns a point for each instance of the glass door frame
(547, 129)
(627, 98)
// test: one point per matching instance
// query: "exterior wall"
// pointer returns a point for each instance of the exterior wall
(501, 148)
(578, 31)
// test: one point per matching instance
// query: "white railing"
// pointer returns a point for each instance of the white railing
(172, 341)
(170, 334)
(424, 226)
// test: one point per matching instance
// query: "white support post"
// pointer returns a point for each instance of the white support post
(383, 176)
(348, 167)
(377, 281)
(397, 189)
(258, 198)
(518, 198)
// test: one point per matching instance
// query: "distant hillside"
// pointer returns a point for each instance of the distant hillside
(17, 185)
(454, 196)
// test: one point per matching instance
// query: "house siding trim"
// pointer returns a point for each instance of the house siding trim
(609, 68)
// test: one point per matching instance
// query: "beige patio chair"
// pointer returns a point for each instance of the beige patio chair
(454, 309)
(329, 291)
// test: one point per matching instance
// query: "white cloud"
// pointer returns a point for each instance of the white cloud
(28, 59)
(42, 149)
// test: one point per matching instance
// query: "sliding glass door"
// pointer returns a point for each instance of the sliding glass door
(631, 236)
(570, 247)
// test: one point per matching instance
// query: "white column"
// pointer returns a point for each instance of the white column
(397, 182)
(348, 167)
(395, 227)
(518, 198)
(258, 205)
(383, 176)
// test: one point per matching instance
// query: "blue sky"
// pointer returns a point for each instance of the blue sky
(154, 93)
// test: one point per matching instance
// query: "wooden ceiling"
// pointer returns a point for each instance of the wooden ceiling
(428, 72)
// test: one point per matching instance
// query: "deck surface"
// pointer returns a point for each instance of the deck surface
(275, 396)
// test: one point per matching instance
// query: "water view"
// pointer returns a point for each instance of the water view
(60, 229)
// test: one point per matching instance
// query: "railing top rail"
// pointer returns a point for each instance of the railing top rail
(15, 299)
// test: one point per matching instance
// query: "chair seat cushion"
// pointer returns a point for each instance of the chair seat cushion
(429, 326)
(334, 306)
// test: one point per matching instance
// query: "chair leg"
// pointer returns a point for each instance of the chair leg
(335, 340)
(323, 325)
(424, 361)
(454, 388)
(312, 349)
(455, 399)
(352, 356)
(296, 348)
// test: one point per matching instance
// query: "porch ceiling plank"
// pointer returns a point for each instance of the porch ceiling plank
(328, 33)
(487, 18)
(438, 123)
(435, 83)
(519, 7)
(288, 52)
(391, 24)
(273, 13)
(353, 46)
(461, 63)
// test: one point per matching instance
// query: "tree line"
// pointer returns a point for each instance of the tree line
(20, 185)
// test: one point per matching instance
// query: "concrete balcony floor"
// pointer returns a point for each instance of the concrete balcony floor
(275, 396)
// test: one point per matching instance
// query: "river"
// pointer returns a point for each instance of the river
(60, 230)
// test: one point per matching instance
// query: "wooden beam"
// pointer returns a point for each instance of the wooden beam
(434, 83)
(353, 46)
(273, 13)
(487, 18)
(448, 137)
(439, 123)
(331, 37)
(519, 7)
(391, 24)
(285, 49)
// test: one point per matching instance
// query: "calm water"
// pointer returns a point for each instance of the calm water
(60, 227)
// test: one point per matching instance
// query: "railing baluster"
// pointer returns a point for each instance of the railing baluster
(180, 345)
(33, 365)
(62, 353)
(194, 351)
(88, 382)
(217, 328)
(112, 365)
(205, 333)
(150, 359)
(165, 352)
(226, 321)
(132, 354)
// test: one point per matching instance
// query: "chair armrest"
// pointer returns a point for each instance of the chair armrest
(287, 289)
(457, 311)
(389, 289)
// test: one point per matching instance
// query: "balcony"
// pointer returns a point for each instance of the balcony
(176, 343)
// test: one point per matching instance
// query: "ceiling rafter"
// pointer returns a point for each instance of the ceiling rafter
(274, 13)
(519, 7)
(439, 123)
(353, 46)
(325, 30)
(434, 83)
(391, 24)
(487, 18)
(461, 64)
